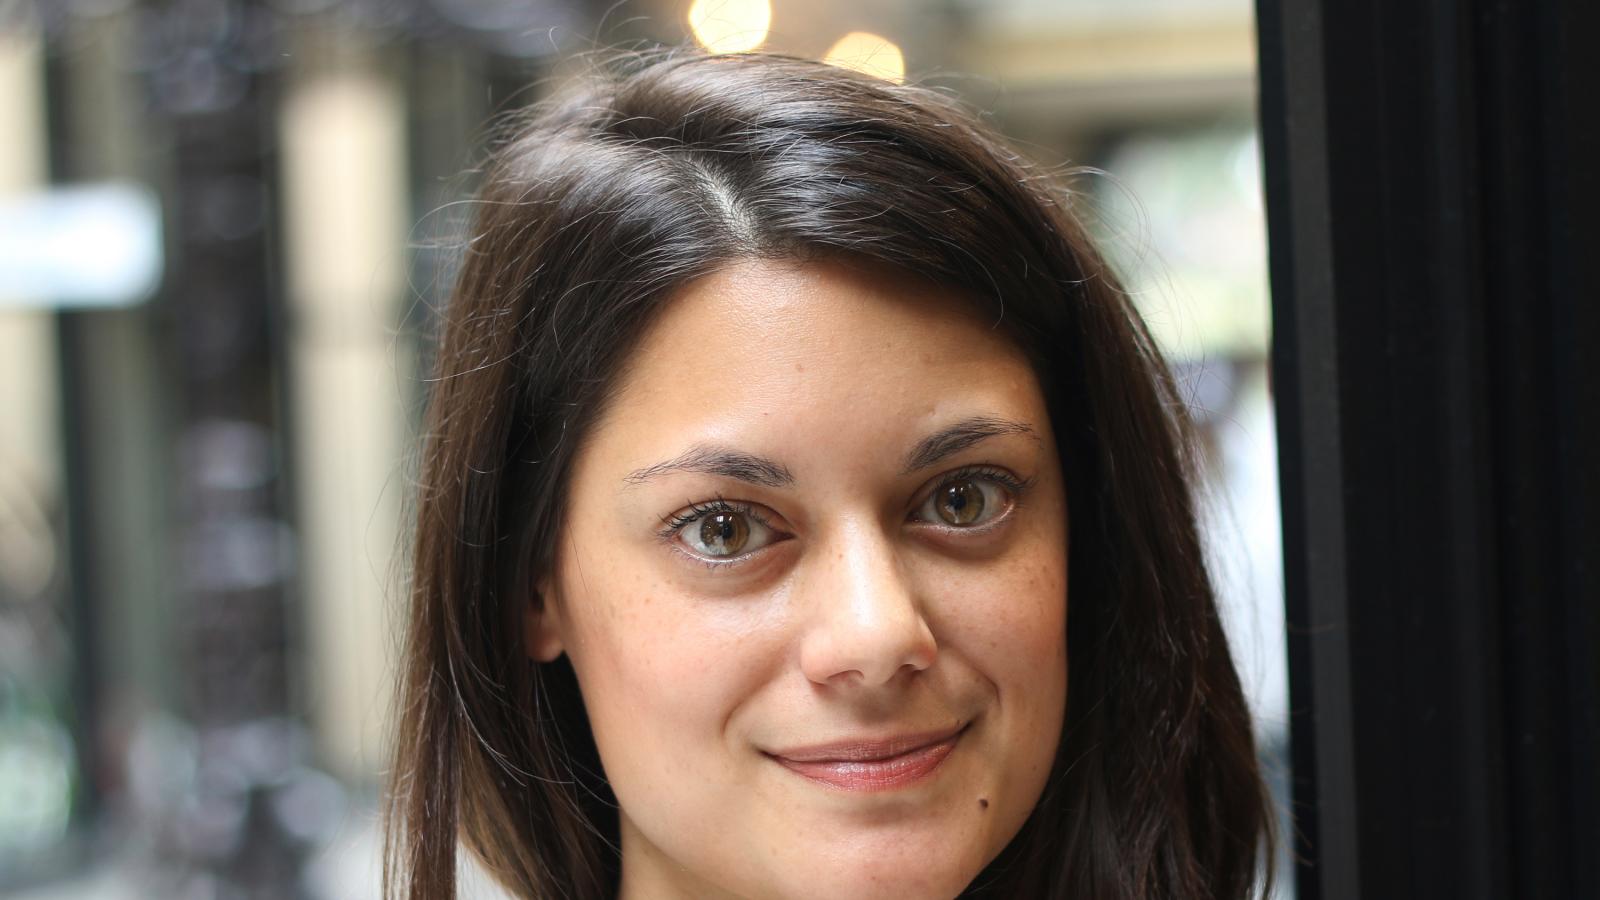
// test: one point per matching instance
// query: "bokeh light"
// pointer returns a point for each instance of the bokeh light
(730, 26)
(870, 54)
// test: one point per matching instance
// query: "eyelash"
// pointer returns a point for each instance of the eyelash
(675, 523)
(697, 511)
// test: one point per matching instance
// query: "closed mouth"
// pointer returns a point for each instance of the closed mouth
(872, 765)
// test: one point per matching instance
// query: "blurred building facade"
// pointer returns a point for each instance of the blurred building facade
(203, 481)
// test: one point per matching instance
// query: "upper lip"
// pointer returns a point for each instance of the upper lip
(867, 749)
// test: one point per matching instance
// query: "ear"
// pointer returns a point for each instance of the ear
(541, 623)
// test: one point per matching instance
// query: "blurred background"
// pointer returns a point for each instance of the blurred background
(223, 225)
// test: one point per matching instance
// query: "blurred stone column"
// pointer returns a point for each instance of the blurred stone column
(41, 741)
(343, 166)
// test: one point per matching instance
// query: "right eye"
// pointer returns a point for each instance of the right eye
(720, 530)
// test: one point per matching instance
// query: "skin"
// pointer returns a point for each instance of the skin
(860, 613)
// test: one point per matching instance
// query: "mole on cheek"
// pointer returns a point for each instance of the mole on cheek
(983, 802)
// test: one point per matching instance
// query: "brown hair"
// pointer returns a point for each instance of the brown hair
(595, 207)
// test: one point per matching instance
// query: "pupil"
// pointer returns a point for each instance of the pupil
(961, 504)
(724, 533)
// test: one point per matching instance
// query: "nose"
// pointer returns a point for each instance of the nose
(866, 624)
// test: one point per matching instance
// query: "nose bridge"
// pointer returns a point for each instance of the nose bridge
(867, 623)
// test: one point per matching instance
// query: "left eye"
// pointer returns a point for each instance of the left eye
(965, 502)
(724, 533)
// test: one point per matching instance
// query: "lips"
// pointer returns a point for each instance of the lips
(872, 765)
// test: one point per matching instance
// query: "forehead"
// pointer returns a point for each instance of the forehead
(765, 294)
(815, 353)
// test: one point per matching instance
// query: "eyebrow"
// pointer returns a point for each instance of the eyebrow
(719, 461)
(955, 438)
(710, 459)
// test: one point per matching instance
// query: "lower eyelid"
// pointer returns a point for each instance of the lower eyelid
(730, 562)
(985, 528)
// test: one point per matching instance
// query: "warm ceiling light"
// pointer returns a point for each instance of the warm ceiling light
(730, 26)
(870, 54)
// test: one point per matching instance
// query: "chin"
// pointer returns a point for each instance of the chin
(907, 870)
(877, 883)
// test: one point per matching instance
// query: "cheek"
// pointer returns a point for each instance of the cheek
(1018, 629)
(660, 668)
(1008, 620)
(1015, 604)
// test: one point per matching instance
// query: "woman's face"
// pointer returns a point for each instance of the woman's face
(813, 582)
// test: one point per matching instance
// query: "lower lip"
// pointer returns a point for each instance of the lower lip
(872, 775)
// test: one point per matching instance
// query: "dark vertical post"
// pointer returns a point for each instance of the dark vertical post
(1431, 209)
(213, 83)
(1305, 369)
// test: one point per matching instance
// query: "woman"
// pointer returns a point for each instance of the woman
(804, 512)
